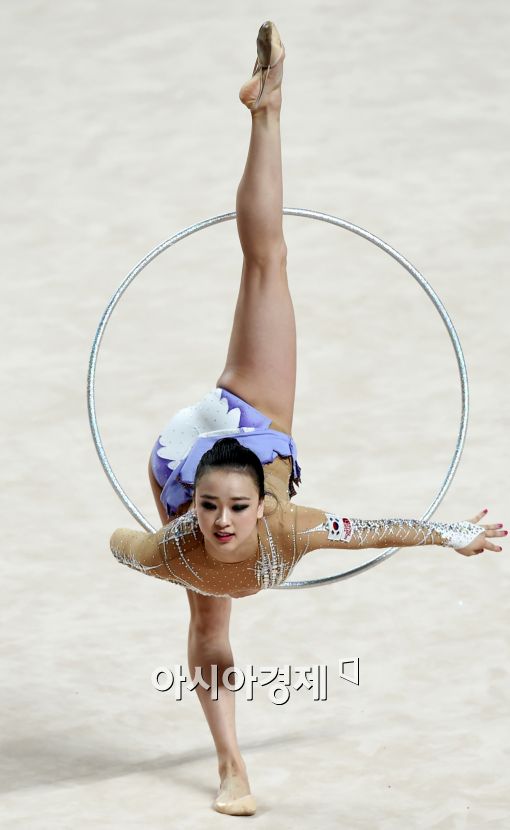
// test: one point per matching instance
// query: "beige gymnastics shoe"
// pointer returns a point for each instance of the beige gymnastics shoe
(255, 93)
(230, 801)
(244, 806)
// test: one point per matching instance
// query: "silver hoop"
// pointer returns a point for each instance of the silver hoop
(333, 220)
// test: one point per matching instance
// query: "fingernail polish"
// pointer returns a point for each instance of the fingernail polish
(486, 510)
(505, 532)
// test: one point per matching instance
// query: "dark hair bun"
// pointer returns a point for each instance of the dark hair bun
(229, 453)
(229, 441)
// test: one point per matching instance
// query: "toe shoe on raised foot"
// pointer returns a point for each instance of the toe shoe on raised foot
(267, 37)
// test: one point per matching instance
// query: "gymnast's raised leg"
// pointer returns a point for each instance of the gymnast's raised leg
(261, 359)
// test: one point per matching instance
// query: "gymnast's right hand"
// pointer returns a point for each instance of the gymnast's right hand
(480, 543)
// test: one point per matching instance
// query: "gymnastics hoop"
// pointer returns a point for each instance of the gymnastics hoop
(348, 226)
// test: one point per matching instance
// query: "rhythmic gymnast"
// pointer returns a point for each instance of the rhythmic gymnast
(224, 470)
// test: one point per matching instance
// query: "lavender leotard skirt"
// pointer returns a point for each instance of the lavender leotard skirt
(195, 429)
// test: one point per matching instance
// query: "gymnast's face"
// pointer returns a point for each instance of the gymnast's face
(227, 501)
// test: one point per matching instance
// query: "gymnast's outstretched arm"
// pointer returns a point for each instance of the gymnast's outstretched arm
(316, 529)
(140, 550)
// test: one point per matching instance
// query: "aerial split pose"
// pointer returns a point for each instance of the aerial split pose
(224, 470)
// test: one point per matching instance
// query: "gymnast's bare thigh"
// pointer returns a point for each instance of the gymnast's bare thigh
(260, 366)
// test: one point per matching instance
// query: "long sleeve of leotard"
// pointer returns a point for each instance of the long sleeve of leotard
(138, 550)
(317, 529)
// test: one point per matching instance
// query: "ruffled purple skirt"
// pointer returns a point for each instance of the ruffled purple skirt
(195, 429)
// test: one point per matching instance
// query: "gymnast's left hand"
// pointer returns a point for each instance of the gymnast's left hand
(480, 542)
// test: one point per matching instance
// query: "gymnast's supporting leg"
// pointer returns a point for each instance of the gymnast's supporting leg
(209, 645)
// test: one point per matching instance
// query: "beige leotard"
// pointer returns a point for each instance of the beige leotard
(177, 552)
(286, 532)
